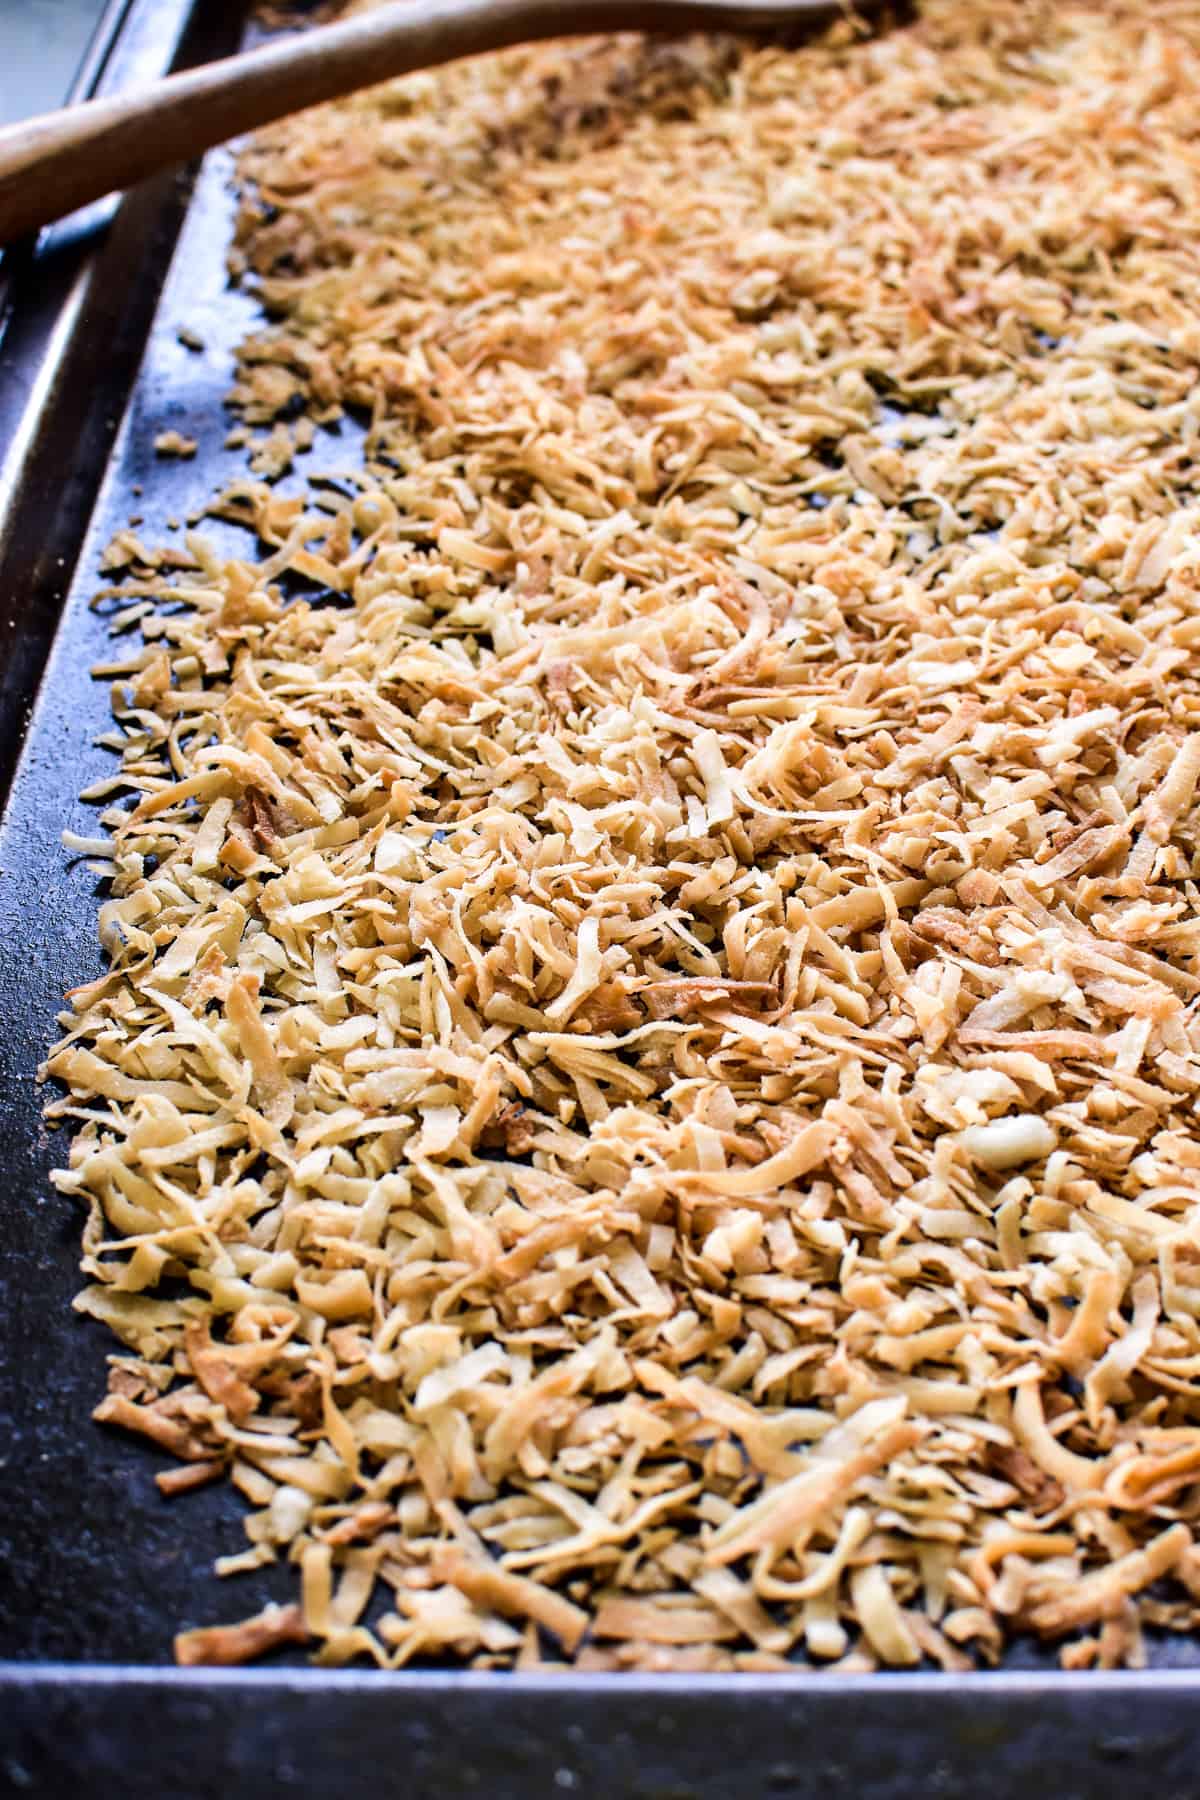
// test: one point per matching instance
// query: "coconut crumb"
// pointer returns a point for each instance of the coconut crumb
(173, 443)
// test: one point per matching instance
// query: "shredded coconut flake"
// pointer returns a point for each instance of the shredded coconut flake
(644, 1106)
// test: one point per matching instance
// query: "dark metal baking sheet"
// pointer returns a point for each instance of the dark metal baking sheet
(96, 1565)
(254, 1736)
(96, 1570)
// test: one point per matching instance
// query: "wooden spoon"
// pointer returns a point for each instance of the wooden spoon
(62, 160)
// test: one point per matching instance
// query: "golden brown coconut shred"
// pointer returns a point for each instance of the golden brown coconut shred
(655, 1014)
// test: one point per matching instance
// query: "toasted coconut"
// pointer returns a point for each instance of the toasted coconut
(1055, 1607)
(222, 1645)
(514, 1595)
(174, 443)
(646, 1087)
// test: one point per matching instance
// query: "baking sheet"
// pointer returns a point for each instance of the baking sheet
(97, 1569)
(100, 1567)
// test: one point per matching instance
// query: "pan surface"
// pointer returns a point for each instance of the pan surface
(97, 1569)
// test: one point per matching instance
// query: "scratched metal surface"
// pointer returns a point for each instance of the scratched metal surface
(96, 1570)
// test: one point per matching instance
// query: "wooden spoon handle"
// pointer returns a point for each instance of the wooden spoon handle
(62, 160)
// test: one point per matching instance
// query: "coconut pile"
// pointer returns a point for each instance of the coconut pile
(644, 1110)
